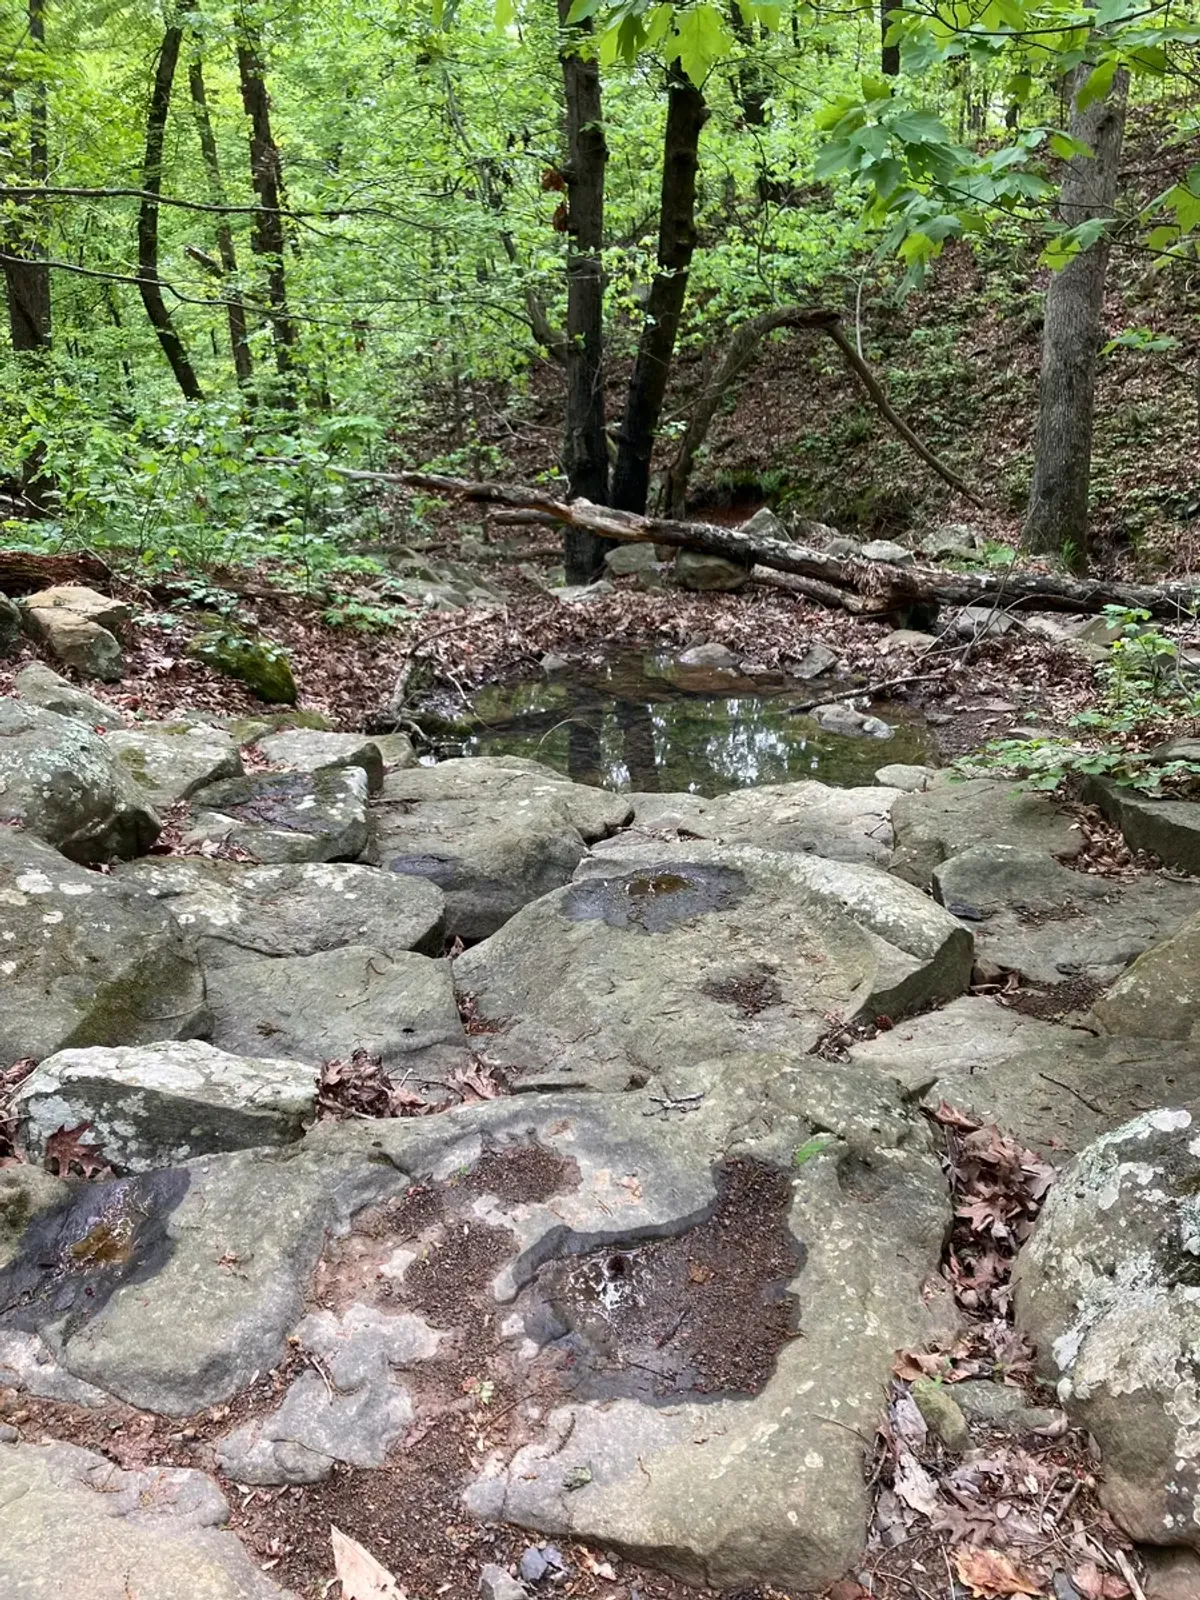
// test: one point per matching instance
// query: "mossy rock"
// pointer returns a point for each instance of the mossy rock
(260, 665)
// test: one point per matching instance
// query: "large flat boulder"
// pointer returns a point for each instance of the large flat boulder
(87, 960)
(951, 816)
(393, 1004)
(74, 1523)
(1106, 1288)
(307, 749)
(492, 832)
(158, 1105)
(1169, 829)
(233, 910)
(1159, 996)
(1031, 915)
(700, 951)
(285, 816)
(60, 782)
(167, 762)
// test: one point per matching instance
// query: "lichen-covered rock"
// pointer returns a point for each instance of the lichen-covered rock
(695, 570)
(1159, 996)
(168, 762)
(1108, 1288)
(38, 686)
(306, 749)
(262, 666)
(285, 816)
(157, 1105)
(86, 960)
(58, 781)
(233, 911)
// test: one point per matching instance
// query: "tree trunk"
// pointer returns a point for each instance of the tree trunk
(149, 285)
(749, 86)
(889, 54)
(266, 174)
(585, 443)
(1057, 520)
(26, 276)
(686, 115)
(238, 339)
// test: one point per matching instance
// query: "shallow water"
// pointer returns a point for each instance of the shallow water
(640, 721)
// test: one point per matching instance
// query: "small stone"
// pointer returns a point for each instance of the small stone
(575, 594)
(817, 660)
(533, 1565)
(843, 548)
(906, 639)
(979, 622)
(899, 775)
(764, 524)
(887, 550)
(844, 719)
(497, 1584)
(1003, 1407)
(81, 644)
(114, 615)
(952, 540)
(708, 655)
(942, 1414)
(552, 663)
(702, 573)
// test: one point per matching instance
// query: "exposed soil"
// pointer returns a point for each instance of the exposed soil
(1058, 1000)
(751, 995)
(522, 1173)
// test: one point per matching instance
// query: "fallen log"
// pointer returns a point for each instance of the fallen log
(864, 587)
(23, 571)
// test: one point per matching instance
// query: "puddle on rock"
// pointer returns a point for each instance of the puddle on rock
(642, 722)
(654, 899)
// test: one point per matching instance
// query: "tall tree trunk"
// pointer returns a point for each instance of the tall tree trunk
(149, 284)
(749, 85)
(585, 444)
(26, 276)
(266, 174)
(686, 115)
(239, 343)
(889, 54)
(1057, 519)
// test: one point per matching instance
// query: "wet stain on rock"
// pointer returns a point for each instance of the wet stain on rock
(523, 1174)
(750, 993)
(439, 870)
(275, 799)
(655, 899)
(73, 1258)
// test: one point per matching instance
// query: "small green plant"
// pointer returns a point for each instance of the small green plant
(811, 1147)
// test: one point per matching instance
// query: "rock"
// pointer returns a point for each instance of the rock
(1159, 996)
(60, 782)
(906, 639)
(844, 549)
(816, 661)
(1169, 829)
(232, 910)
(1171, 1574)
(25, 1192)
(808, 817)
(38, 686)
(764, 524)
(708, 655)
(497, 1584)
(10, 627)
(77, 601)
(167, 763)
(953, 541)
(845, 719)
(950, 817)
(911, 779)
(492, 832)
(86, 960)
(1105, 1289)
(396, 1005)
(262, 666)
(158, 1105)
(625, 559)
(887, 550)
(396, 750)
(75, 1523)
(942, 1413)
(575, 594)
(533, 1565)
(1003, 1408)
(81, 628)
(305, 750)
(552, 663)
(1032, 916)
(285, 816)
(703, 950)
(695, 570)
(980, 622)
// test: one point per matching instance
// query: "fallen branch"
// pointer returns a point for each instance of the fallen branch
(869, 691)
(22, 571)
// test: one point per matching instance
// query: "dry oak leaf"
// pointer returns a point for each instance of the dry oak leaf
(361, 1576)
(1096, 1585)
(990, 1575)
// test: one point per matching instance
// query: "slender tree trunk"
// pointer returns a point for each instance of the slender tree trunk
(749, 86)
(889, 54)
(1057, 520)
(26, 276)
(149, 284)
(585, 444)
(686, 115)
(238, 339)
(266, 174)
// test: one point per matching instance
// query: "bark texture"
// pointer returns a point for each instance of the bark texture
(889, 54)
(1057, 519)
(239, 343)
(26, 275)
(266, 174)
(686, 115)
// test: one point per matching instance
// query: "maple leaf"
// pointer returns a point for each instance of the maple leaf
(362, 1577)
(990, 1575)
(66, 1153)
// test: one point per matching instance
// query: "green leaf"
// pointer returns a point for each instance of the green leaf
(1100, 81)
(811, 1147)
(700, 39)
(876, 87)
(1066, 147)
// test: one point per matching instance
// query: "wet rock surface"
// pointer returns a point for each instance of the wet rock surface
(285, 816)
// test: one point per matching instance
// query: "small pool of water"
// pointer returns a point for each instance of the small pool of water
(641, 721)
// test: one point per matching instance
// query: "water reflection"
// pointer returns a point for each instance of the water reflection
(641, 722)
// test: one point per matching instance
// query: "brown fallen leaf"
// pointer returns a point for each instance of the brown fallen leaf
(1093, 1584)
(910, 1364)
(66, 1154)
(990, 1575)
(361, 1576)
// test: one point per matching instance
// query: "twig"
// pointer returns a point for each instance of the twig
(870, 692)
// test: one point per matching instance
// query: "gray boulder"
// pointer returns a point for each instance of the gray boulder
(1169, 829)
(232, 910)
(950, 816)
(816, 661)
(1031, 915)
(307, 749)
(81, 627)
(764, 524)
(901, 775)
(87, 960)
(888, 551)
(625, 559)
(285, 816)
(849, 721)
(702, 951)
(1106, 1289)
(38, 686)
(157, 1105)
(711, 654)
(493, 833)
(74, 1523)
(396, 1004)
(58, 781)
(1159, 996)
(167, 762)
(982, 622)
(952, 541)
(695, 570)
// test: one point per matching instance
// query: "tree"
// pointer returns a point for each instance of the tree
(26, 275)
(236, 310)
(269, 238)
(1057, 519)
